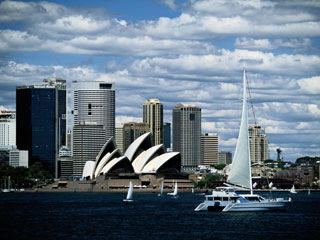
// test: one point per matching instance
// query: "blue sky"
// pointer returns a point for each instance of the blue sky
(184, 51)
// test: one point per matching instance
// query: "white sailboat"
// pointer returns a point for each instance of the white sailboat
(6, 190)
(161, 191)
(293, 190)
(129, 197)
(225, 198)
(175, 192)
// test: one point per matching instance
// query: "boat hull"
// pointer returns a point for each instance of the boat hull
(256, 207)
(211, 206)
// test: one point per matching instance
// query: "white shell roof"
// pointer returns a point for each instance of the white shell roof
(139, 163)
(101, 164)
(88, 168)
(111, 164)
(156, 163)
(104, 161)
(99, 156)
(132, 149)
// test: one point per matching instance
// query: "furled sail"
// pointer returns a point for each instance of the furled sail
(240, 173)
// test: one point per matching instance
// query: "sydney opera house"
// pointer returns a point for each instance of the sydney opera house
(140, 158)
(143, 164)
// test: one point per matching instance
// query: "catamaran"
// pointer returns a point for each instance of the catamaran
(225, 198)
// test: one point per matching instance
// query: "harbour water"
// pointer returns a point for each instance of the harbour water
(106, 216)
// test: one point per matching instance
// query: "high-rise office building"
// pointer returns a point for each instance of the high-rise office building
(186, 134)
(119, 137)
(209, 150)
(18, 158)
(94, 101)
(42, 121)
(88, 139)
(7, 128)
(153, 116)
(225, 157)
(167, 135)
(69, 140)
(131, 131)
(258, 144)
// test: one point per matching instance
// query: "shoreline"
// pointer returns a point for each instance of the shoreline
(147, 190)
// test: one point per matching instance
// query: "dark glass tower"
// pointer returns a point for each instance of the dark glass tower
(41, 121)
(167, 135)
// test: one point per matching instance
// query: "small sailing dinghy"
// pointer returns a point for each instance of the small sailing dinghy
(225, 198)
(175, 192)
(7, 190)
(129, 197)
(161, 191)
(293, 190)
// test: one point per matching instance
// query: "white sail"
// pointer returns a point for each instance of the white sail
(175, 193)
(161, 191)
(293, 190)
(130, 193)
(240, 173)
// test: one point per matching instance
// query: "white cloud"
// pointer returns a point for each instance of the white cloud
(310, 85)
(266, 44)
(170, 3)
(188, 58)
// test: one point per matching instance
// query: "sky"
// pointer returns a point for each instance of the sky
(178, 51)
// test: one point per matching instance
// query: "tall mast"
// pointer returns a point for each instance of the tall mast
(245, 111)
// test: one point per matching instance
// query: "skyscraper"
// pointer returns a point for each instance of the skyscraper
(119, 137)
(153, 116)
(225, 157)
(186, 134)
(258, 144)
(131, 131)
(209, 150)
(7, 128)
(94, 101)
(88, 139)
(167, 135)
(42, 121)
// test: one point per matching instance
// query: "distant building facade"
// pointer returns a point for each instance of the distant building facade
(167, 135)
(186, 134)
(41, 117)
(209, 150)
(88, 139)
(18, 158)
(69, 140)
(119, 137)
(94, 101)
(131, 131)
(7, 127)
(225, 157)
(153, 116)
(258, 144)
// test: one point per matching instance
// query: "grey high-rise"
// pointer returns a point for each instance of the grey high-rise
(88, 139)
(94, 101)
(209, 149)
(186, 134)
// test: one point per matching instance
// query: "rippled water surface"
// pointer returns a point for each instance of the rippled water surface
(106, 216)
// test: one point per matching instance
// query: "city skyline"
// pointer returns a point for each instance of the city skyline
(178, 52)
